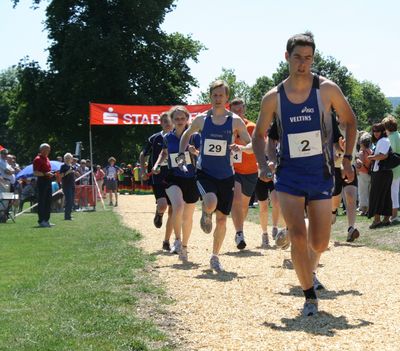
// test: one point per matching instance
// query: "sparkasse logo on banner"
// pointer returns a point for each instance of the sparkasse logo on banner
(111, 114)
(110, 117)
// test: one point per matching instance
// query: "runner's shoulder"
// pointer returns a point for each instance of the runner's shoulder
(199, 119)
(270, 98)
(327, 85)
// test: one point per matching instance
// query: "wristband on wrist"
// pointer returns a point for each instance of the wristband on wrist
(349, 157)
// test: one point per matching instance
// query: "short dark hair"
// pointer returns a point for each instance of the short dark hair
(390, 123)
(378, 127)
(236, 101)
(302, 39)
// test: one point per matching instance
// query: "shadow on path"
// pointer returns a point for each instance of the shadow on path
(223, 276)
(243, 253)
(322, 324)
(322, 294)
(340, 244)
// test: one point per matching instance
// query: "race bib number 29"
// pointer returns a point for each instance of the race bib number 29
(214, 147)
(305, 144)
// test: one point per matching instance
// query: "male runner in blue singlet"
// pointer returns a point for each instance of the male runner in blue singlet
(301, 106)
(153, 148)
(215, 173)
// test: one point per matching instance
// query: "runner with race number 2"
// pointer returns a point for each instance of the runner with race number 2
(302, 106)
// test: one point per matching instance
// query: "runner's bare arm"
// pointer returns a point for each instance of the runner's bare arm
(241, 131)
(161, 158)
(267, 111)
(196, 126)
(347, 117)
(270, 151)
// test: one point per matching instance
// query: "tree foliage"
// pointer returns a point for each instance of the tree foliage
(107, 52)
(237, 88)
(366, 98)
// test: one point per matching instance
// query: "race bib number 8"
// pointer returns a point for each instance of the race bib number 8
(237, 157)
(305, 144)
(214, 147)
(174, 159)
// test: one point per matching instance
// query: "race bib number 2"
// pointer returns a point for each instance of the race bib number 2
(215, 147)
(305, 144)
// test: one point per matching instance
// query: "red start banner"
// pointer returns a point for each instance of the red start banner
(125, 115)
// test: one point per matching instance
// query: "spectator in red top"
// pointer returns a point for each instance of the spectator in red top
(42, 170)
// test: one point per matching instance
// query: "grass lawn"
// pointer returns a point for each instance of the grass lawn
(81, 285)
(387, 238)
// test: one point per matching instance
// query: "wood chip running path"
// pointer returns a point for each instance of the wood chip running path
(255, 304)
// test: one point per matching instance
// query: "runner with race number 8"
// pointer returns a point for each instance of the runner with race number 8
(215, 173)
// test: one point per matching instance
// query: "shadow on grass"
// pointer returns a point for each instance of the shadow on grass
(345, 244)
(243, 253)
(323, 294)
(322, 324)
(222, 276)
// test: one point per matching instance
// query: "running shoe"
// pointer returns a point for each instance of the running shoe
(176, 247)
(158, 220)
(375, 225)
(317, 283)
(239, 239)
(265, 241)
(183, 255)
(215, 264)
(110, 204)
(395, 220)
(352, 234)
(44, 224)
(275, 231)
(206, 222)
(166, 246)
(116, 204)
(282, 240)
(310, 307)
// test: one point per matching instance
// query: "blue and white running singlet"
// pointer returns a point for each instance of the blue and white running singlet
(305, 159)
(171, 143)
(215, 155)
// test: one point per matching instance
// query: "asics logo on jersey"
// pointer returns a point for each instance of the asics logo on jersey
(307, 109)
(212, 135)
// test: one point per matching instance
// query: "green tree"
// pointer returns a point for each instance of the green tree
(237, 88)
(366, 98)
(397, 112)
(328, 67)
(257, 91)
(8, 90)
(107, 52)
(374, 105)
